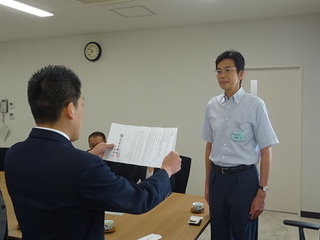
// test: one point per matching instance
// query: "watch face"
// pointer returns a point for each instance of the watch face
(265, 188)
(92, 51)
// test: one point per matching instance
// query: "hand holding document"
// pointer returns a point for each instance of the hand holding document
(144, 146)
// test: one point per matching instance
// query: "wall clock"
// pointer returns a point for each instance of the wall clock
(92, 51)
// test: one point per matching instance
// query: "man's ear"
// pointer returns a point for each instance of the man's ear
(69, 110)
(241, 75)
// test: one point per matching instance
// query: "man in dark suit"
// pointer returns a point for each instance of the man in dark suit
(60, 192)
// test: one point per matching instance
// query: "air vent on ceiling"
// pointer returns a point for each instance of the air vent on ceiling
(98, 2)
(135, 11)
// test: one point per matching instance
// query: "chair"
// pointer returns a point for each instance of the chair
(301, 226)
(4, 222)
(181, 178)
(3, 219)
(3, 214)
(3, 151)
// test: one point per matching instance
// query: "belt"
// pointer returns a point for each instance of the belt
(230, 170)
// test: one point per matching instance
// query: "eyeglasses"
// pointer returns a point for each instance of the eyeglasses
(224, 70)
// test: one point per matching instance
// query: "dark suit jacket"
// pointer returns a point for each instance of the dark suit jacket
(61, 193)
(122, 169)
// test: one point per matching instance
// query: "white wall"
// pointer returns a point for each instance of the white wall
(164, 77)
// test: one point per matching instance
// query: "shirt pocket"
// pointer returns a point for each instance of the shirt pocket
(242, 132)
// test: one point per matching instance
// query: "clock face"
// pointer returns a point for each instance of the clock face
(92, 51)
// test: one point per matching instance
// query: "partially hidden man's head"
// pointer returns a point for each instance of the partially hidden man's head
(95, 138)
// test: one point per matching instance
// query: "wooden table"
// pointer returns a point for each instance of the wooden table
(12, 221)
(169, 219)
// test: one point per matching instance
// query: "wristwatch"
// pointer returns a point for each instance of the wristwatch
(265, 188)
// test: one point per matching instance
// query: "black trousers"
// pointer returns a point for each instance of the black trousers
(231, 196)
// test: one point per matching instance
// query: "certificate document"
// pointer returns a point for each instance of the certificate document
(144, 146)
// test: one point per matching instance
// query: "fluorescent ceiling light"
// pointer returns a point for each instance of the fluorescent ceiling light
(25, 8)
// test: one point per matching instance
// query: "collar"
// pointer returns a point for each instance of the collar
(236, 97)
(54, 130)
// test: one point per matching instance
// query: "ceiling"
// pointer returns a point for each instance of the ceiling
(74, 17)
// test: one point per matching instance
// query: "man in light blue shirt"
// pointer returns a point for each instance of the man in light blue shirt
(238, 133)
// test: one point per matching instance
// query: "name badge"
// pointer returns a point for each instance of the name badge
(238, 136)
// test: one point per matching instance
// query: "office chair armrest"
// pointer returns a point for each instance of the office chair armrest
(301, 224)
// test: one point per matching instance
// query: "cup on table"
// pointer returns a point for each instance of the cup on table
(108, 225)
(197, 206)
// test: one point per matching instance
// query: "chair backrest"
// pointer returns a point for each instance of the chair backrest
(181, 178)
(301, 226)
(2, 154)
(3, 219)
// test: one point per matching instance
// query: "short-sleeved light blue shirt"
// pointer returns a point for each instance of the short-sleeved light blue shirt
(238, 128)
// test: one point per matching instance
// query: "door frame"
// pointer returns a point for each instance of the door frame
(300, 77)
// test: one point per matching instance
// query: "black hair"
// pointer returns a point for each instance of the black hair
(235, 56)
(98, 134)
(50, 89)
